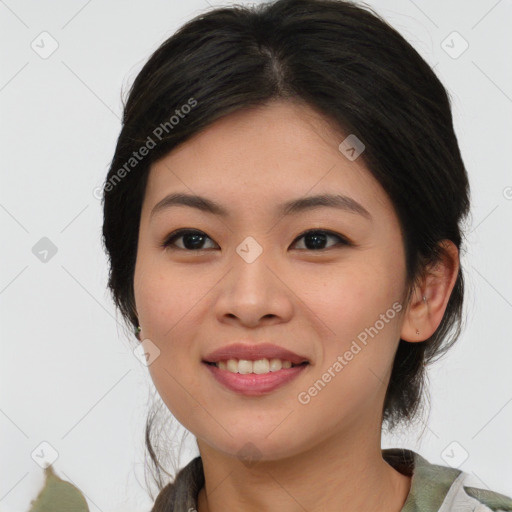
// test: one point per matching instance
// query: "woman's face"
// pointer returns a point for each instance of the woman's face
(251, 278)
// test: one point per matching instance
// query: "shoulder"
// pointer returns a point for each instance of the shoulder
(437, 488)
(463, 496)
(491, 499)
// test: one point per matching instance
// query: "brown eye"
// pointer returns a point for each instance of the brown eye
(315, 239)
(193, 240)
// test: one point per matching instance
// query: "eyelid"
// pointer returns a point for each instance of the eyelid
(327, 232)
(167, 242)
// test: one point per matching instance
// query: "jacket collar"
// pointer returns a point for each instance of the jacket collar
(430, 483)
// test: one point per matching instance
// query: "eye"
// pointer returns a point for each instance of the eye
(192, 239)
(315, 238)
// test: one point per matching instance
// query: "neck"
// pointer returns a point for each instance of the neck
(346, 473)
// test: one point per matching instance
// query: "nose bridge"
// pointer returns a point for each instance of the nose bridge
(252, 290)
(250, 250)
(250, 264)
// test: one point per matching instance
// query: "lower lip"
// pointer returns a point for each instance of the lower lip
(252, 384)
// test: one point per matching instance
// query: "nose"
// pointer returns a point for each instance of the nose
(253, 293)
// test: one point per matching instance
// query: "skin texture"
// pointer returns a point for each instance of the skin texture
(326, 454)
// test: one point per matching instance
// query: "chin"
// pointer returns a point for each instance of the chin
(252, 449)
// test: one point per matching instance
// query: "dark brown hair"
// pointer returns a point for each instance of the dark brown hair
(349, 65)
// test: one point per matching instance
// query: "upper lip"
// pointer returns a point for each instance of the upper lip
(253, 353)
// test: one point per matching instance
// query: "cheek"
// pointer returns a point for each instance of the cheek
(352, 296)
(166, 302)
(358, 307)
(358, 351)
(164, 295)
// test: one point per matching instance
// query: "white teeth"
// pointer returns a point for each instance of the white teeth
(232, 366)
(259, 366)
(244, 366)
(275, 365)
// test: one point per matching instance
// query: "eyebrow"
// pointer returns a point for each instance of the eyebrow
(294, 206)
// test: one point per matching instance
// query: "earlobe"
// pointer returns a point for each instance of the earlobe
(413, 328)
(430, 298)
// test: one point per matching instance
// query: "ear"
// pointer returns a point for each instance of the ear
(423, 316)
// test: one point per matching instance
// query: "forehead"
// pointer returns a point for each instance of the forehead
(263, 155)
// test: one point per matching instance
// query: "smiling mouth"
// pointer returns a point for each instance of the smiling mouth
(254, 378)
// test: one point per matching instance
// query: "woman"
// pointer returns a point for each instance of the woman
(282, 219)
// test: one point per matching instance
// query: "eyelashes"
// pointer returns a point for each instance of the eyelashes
(195, 238)
(181, 233)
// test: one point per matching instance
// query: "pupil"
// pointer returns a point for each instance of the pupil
(316, 238)
(196, 238)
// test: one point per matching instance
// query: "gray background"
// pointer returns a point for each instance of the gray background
(68, 376)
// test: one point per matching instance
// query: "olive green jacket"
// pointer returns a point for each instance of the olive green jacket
(434, 488)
